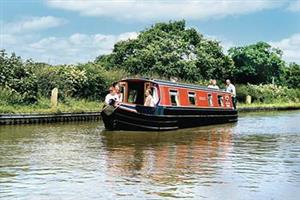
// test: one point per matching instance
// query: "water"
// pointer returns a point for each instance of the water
(256, 158)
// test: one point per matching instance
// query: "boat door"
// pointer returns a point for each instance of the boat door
(123, 90)
(154, 91)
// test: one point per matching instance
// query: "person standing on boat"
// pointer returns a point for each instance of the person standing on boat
(213, 84)
(118, 92)
(112, 97)
(149, 99)
(231, 88)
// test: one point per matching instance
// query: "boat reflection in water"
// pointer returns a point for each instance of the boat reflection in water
(168, 157)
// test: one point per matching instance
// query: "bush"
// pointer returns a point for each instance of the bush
(9, 96)
(17, 79)
(25, 82)
(268, 93)
(85, 81)
(98, 80)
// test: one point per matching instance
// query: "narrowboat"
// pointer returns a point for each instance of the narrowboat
(177, 105)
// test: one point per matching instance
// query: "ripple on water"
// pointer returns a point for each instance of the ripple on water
(245, 160)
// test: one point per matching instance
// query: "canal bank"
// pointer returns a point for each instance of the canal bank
(266, 107)
(32, 118)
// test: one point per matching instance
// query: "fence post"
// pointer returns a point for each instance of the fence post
(54, 96)
(248, 99)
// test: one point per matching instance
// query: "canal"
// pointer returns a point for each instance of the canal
(256, 158)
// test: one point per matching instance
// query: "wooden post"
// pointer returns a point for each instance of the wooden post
(54, 96)
(248, 99)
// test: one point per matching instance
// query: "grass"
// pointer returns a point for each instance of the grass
(79, 105)
(43, 106)
(269, 105)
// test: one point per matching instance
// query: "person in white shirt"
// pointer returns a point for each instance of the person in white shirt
(213, 84)
(118, 92)
(149, 99)
(231, 88)
(112, 97)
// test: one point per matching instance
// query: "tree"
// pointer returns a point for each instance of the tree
(292, 75)
(170, 49)
(257, 63)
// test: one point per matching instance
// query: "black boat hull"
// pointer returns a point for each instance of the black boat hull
(164, 118)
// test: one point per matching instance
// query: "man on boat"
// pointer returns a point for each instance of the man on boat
(213, 84)
(111, 98)
(231, 88)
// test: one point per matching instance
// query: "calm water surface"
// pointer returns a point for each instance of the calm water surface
(256, 158)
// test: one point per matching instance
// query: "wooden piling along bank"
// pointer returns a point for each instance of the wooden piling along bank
(10, 119)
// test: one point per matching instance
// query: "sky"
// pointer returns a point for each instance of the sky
(77, 31)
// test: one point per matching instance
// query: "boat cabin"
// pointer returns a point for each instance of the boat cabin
(173, 94)
(177, 105)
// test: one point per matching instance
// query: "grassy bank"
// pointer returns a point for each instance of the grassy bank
(266, 107)
(43, 106)
(74, 105)
(271, 105)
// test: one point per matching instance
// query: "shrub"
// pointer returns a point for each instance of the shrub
(10, 96)
(268, 93)
(17, 78)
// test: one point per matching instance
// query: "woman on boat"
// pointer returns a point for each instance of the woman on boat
(111, 98)
(118, 92)
(149, 99)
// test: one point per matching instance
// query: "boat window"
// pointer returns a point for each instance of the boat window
(174, 97)
(209, 98)
(192, 98)
(135, 93)
(220, 100)
(122, 92)
(132, 96)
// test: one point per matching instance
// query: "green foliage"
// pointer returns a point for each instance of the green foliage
(18, 77)
(9, 96)
(88, 81)
(291, 76)
(98, 81)
(170, 50)
(257, 63)
(268, 93)
(25, 82)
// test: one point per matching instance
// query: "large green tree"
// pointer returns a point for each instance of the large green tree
(257, 63)
(170, 49)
